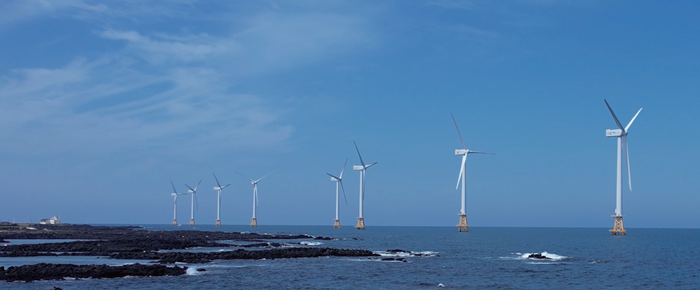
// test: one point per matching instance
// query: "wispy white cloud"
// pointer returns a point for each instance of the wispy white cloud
(164, 87)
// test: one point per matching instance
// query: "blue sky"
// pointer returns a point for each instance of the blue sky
(103, 102)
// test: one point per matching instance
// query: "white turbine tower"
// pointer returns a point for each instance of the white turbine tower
(193, 191)
(463, 226)
(338, 181)
(254, 223)
(175, 194)
(621, 135)
(218, 189)
(362, 169)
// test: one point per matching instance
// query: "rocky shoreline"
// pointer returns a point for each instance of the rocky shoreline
(44, 271)
(138, 243)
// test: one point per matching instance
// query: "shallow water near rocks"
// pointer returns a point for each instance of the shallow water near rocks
(484, 258)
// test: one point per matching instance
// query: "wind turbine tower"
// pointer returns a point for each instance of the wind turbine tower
(362, 169)
(463, 226)
(254, 222)
(175, 194)
(338, 181)
(193, 191)
(621, 135)
(218, 189)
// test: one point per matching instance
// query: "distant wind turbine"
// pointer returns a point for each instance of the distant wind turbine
(338, 181)
(254, 222)
(362, 169)
(193, 191)
(621, 135)
(218, 189)
(175, 194)
(463, 226)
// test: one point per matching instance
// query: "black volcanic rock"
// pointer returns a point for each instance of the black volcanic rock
(240, 254)
(538, 256)
(44, 271)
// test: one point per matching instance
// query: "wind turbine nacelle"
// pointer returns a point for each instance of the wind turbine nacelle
(358, 167)
(190, 191)
(613, 132)
(461, 151)
(334, 179)
(217, 188)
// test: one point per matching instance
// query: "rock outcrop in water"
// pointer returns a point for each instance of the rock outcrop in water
(240, 254)
(538, 256)
(45, 271)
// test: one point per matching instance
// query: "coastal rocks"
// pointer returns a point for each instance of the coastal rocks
(240, 254)
(44, 271)
(404, 253)
(538, 256)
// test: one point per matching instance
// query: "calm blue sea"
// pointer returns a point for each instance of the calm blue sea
(484, 258)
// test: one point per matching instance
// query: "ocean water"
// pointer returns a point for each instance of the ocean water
(484, 258)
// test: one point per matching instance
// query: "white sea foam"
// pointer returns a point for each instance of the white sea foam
(406, 254)
(192, 271)
(552, 257)
(307, 243)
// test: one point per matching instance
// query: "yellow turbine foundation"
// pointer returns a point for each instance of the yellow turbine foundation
(360, 224)
(463, 226)
(254, 223)
(174, 222)
(218, 223)
(192, 222)
(619, 228)
(336, 224)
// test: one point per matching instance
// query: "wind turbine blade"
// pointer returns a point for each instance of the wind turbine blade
(196, 203)
(243, 175)
(225, 186)
(331, 175)
(370, 165)
(261, 178)
(198, 183)
(458, 132)
(614, 117)
(171, 183)
(358, 153)
(479, 152)
(627, 157)
(217, 180)
(341, 172)
(461, 171)
(343, 187)
(632, 121)
(364, 180)
(189, 187)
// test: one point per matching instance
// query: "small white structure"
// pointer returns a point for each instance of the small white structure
(52, 221)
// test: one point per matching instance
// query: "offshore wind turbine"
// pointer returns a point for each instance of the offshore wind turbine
(175, 194)
(621, 135)
(362, 169)
(254, 222)
(193, 191)
(463, 226)
(218, 189)
(338, 181)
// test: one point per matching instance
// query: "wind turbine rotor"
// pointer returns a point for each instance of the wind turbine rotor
(174, 190)
(458, 132)
(341, 172)
(619, 125)
(261, 178)
(343, 187)
(358, 154)
(632, 121)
